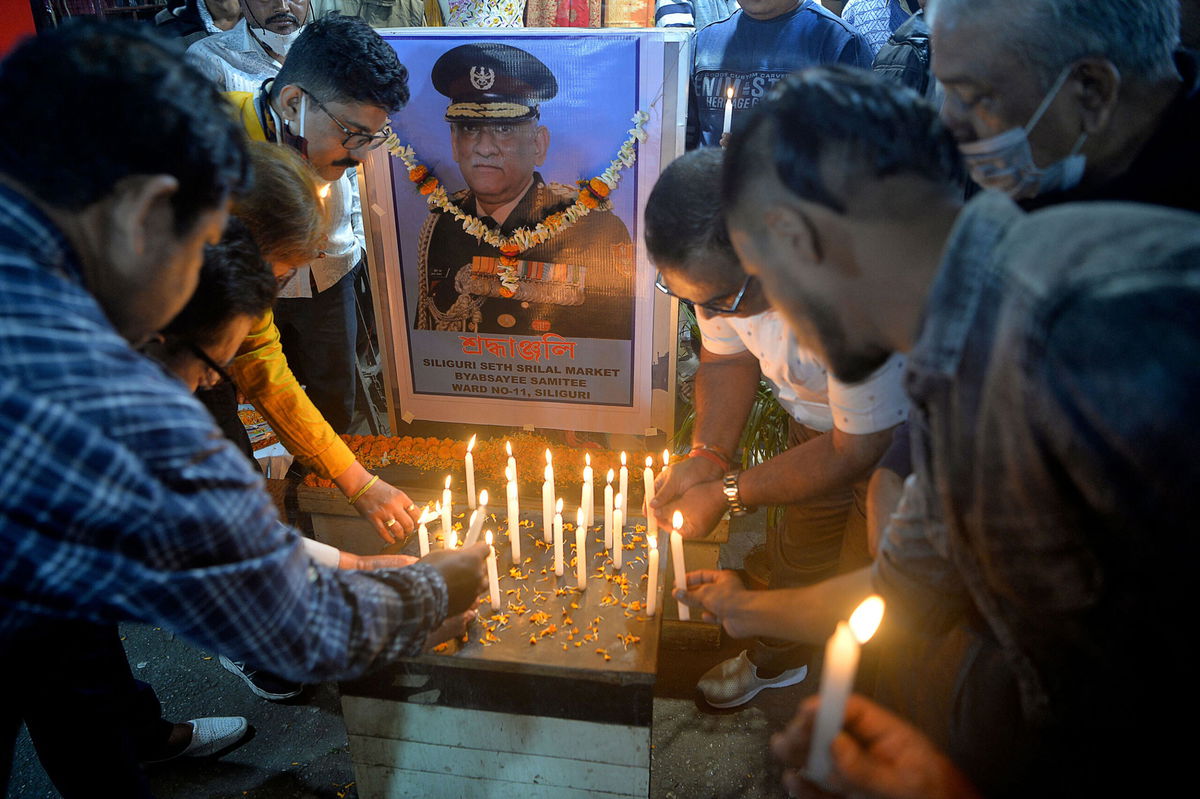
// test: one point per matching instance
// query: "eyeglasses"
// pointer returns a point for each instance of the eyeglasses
(355, 140)
(711, 306)
(214, 367)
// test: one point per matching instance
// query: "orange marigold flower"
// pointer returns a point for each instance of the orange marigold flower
(598, 187)
(428, 186)
(588, 199)
(418, 173)
(509, 249)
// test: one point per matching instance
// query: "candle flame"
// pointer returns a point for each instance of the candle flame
(488, 537)
(483, 497)
(428, 515)
(323, 191)
(587, 459)
(666, 457)
(864, 621)
(649, 462)
(729, 93)
(558, 506)
(618, 500)
(471, 444)
(452, 541)
(622, 457)
(447, 482)
(508, 448)
(677, 520)
(548, 473)
(610, 475)
(548, 458)
(579, 517)
(652, 540)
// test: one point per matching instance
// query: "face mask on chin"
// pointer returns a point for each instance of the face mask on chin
(278, 43)
(1005, 162)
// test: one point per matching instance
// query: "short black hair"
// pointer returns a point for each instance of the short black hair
(87, 104)
(234, 281)
(683, 212)
(342, 58)
(876, 129)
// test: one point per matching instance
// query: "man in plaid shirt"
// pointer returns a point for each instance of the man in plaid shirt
(119, 498)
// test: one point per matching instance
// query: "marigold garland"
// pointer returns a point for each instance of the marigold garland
(445, 455)
(593, 193)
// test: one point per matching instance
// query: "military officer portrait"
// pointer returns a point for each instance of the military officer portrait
(579, 283)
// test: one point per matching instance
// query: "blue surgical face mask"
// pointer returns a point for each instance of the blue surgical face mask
(1005, 161)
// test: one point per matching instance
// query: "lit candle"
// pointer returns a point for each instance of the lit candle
(580, 552)
(618, 536)
(548, 502)
(451, 540)
(608, 511)
(624, 479)
(728, 110)
(652, 571)
(423, 533)
(493, 580)
(512, 462)
(558, 538)
(470, 462)
(589, 499)
(514, 516)
(648, 484)
(666, 460)
(477, 517)
(837, 680)
(677, 562)
(447, 504)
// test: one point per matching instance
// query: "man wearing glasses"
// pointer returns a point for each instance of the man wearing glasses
(577, 284)
(837, 432)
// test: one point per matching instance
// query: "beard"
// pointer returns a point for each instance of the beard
(819, 327)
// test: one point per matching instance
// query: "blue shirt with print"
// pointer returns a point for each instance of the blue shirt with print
(750, 56)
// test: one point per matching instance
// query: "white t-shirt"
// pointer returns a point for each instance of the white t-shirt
(801, 384)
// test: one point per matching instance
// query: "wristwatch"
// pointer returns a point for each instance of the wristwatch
(733, 496)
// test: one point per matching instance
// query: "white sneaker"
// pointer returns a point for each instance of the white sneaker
(735, 681)
(210, 736)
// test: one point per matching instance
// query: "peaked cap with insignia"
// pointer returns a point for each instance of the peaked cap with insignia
(488, 82)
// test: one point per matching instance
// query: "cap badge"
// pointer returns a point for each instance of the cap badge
(482, 78)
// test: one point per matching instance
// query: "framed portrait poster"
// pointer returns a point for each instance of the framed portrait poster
(504, 228)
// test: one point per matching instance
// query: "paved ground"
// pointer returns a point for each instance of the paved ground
(299, 750)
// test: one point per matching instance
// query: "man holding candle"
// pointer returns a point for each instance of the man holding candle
(122, 500)
(1036, 564)
(837, 431)
(748, 52)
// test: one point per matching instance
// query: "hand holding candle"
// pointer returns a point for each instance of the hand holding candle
(470, 466)
(678, 564)
(493, 579)
(837, 680)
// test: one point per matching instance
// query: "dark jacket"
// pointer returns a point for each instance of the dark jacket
(905, 58)
(183, 21)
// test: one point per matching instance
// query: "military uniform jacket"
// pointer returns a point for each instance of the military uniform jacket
(579, 284)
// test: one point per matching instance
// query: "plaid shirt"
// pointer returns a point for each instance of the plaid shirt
(119, 498)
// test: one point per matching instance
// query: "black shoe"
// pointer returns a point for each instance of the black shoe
(268, 686)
